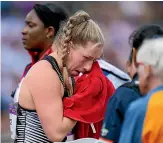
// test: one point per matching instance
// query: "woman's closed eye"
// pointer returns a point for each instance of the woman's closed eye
(30, 24)
(89, 58)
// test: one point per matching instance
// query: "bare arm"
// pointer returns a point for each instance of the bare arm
(47, 92)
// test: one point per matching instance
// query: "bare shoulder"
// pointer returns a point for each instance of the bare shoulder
(42, 66)
(42, 76)
(42, 69)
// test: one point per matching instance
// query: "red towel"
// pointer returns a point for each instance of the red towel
(88, 103)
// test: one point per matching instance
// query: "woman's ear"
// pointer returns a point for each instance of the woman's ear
(70, 46)
(50, 32)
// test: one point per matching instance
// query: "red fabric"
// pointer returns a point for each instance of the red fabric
(88, 103)
(35, 54)
(33, 57)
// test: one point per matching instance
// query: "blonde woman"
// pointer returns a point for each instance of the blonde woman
(40, 108)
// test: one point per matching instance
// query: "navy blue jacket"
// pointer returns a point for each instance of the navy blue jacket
(116, 109)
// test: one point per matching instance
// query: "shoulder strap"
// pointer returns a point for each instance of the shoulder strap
(55, 66)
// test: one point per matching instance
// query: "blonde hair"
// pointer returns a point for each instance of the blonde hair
(151, 53)
(79, 29)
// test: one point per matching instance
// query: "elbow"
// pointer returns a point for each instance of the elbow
(56, 137)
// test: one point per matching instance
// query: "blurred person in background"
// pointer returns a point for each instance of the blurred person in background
(143, 122)
(129, 91)
(42, 25)
(78, 45)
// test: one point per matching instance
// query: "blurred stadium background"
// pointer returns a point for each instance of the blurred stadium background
(116, 19)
